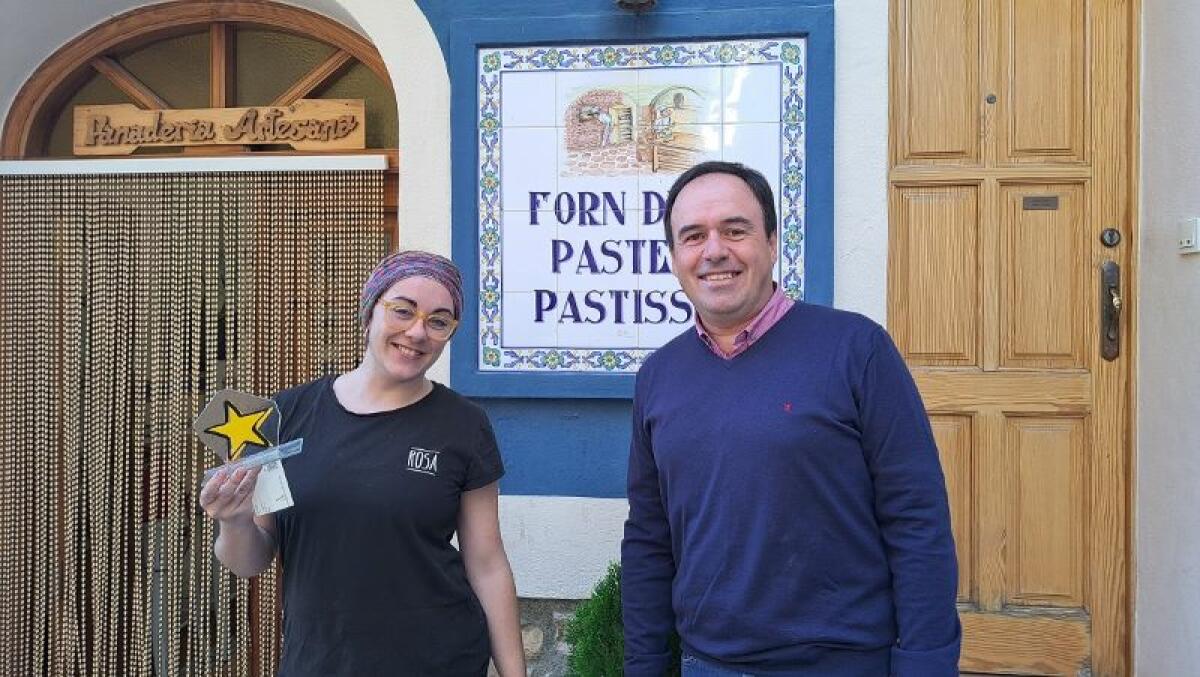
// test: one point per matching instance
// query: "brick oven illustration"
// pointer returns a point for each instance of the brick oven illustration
(599, 138)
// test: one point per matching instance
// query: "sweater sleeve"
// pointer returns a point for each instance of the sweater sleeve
(913, 515)
(647, 563)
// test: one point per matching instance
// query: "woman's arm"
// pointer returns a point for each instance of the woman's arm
(245, 544)
(491, 577)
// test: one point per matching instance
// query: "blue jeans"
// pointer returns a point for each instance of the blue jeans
(694, 667)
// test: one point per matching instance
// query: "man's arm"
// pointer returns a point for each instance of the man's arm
(913, 515)
(647, 564)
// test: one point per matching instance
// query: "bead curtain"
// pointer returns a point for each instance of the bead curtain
(127, 301)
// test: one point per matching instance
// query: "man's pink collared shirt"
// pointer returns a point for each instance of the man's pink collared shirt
(777, 306)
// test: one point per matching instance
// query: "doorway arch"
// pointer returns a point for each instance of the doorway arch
(50, 87)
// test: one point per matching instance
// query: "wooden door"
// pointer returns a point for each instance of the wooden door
(1012, 149)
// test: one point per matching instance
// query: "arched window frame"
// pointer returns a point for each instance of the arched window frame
(27, 127)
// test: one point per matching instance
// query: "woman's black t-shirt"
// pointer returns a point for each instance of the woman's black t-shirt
(371, 583)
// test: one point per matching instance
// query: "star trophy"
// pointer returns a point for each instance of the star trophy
(243, 430)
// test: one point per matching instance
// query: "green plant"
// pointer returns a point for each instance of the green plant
(595, 633)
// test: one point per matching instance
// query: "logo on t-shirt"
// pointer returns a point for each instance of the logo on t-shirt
(423, 461)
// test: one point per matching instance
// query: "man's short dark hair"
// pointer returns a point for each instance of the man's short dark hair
(754, 179)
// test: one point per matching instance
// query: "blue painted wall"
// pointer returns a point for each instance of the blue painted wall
(682, 19)
(574, 442)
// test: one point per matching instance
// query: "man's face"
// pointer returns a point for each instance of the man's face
(722, 255)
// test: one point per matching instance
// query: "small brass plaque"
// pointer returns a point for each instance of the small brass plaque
(1047, 203)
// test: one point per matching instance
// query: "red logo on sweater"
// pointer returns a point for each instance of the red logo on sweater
(787, 406)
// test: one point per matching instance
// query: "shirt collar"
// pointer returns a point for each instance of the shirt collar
(766, 318)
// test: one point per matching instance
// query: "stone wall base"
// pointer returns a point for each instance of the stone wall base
(543, 622)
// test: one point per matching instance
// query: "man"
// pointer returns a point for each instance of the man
(787, 511)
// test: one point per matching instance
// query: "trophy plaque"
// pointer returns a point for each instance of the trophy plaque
(243, 431)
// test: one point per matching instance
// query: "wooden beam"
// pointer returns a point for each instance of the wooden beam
(392, 155)
(222, 65)
(316, 78)
(125, 81)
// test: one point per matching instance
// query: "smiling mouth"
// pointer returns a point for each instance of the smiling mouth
(720, 277)
(405, 351)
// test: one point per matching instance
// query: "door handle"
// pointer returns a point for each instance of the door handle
(1110, 310)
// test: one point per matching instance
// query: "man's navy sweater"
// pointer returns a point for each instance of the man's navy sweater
(787, 510)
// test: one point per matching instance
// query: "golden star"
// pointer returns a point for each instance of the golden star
(240, 429)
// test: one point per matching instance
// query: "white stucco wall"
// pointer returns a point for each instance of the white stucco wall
(1167, 617)
(27, 42)
(860, 163)
(410, 50)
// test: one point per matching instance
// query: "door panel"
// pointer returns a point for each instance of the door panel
(993, 289)
(940, 113)
(1024, 645)
(1043, 273)
(1042, 51)
(955, 441)
(935, 263)
(1048, 464)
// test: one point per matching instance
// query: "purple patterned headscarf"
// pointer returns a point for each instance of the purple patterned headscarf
(404, 264)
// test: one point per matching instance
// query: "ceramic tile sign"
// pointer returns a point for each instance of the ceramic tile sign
(578, 146)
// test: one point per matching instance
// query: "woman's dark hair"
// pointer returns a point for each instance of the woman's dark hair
(754, 179)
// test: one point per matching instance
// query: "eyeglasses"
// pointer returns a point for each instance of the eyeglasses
(439, 324)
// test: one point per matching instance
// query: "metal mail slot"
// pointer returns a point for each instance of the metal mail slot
(1040, 203)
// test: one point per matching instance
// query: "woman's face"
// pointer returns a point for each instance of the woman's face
(406, 353)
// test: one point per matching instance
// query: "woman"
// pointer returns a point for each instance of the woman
(393, 466)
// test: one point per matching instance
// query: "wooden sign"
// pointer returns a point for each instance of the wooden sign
(308, 124)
